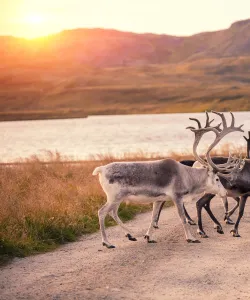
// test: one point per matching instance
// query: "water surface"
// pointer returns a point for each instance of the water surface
(82, 138)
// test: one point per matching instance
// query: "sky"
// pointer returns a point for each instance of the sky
(33, 18)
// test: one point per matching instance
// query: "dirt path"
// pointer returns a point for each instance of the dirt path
(217, 268)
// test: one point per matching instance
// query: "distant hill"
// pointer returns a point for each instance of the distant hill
(99, 71)
(106, 48)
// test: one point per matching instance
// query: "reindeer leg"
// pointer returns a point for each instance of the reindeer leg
(229, 213)
(242, 204)
(156, 208)
(179, 205)
(114, 215)
(199, 205)
(217, 224)
(189, 220)
(102, 213)
(157, 215)
(225, 204)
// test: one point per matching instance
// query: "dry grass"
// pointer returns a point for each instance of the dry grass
(45, 204)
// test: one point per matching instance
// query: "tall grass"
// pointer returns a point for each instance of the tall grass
(46, 204)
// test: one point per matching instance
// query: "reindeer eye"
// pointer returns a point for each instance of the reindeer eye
(217, 179)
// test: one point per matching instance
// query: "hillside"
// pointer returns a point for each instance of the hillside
(97, 71)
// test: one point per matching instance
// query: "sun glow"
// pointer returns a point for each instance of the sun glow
(34, 19)
(35, 25)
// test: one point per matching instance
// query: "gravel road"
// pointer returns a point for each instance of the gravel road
(217, 268)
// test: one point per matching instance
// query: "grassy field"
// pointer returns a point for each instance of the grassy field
(43, 205)
(76, 91)
(47, 204)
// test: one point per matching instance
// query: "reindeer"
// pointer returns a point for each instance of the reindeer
(228, 214)
(239, 189)
(157, 181)
(236, 186)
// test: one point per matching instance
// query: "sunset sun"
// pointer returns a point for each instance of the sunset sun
(35, 25)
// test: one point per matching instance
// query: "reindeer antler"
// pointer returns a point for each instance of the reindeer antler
(247, 139)
(226, 130)
(248, 144)
(233, 165)
(199, 132)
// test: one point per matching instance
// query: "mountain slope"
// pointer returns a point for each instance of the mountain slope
(97, 71)
(219, 84)
(105, 48)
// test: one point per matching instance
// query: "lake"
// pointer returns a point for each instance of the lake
(82, 138)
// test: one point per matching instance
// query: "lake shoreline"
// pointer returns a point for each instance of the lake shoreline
(40, 116)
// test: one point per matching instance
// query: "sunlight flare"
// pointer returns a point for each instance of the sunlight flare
(34, 25)
(33, 19)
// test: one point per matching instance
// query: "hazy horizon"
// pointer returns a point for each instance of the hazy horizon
(26, 18)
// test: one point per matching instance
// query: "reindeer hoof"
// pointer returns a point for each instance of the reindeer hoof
(202, 234)
(234, 233)
(191, 222)
(108, 246)
(220, 231)
(148, 240)
(193, 241)
(229, 221)
(156, 226)
(129, 236)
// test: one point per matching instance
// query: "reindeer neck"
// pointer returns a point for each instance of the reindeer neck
(198, 177)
